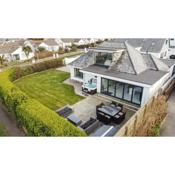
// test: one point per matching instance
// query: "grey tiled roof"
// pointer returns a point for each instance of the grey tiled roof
(148, 77)
(168, 62)
(84, 60)
(127, 64)
(111, 45)
(135, 42)
(50, 42)
(147, 44)
(68, 40)
(9, 47)
(136, 58)
(152, 45)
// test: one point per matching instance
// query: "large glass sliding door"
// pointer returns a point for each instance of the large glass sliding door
(128, 92)
(121, 90)
(111, 87)
(104, 86)
(137, 95)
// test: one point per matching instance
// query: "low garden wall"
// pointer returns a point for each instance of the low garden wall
(147, 120)
(37, 119)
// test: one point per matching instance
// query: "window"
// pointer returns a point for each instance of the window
(137, 95)
(165, 54)
(161, 55)
(104, 86)
(128, 92)
(173, 71)
(16, 56)
(121, 90)
(111, 87)
(78, 74)
(103, 59)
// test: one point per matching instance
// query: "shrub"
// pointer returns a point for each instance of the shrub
(38, 67)
(35, 117)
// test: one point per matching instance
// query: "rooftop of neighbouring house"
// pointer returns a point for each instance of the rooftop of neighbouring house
(153, 45)
(127, 63)
(9, 47)
(50, 42)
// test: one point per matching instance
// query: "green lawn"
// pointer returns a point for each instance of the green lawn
(48, 88)
(3, 131)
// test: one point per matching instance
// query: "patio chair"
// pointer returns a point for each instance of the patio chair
(114, 103)
(120, 106)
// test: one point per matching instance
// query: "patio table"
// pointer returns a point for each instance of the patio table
(109, 110)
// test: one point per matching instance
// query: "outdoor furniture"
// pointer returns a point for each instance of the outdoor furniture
(90, 125)
(103, 118)
(74, 120)
(117, 119)
(65, 111)
(114, 103)
(121, 106)
(105, 131)
(106, 113)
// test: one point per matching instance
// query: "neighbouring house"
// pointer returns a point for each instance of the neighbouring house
(66, 42)
(171, 50)
(80, 41)
(157, 47)
(33, 44)
(12, 51)
(50, 45)
(119, 71)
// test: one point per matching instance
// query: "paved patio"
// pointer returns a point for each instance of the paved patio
(87, 108)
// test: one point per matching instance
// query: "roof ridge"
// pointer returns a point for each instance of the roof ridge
(131, 62)
(136, 59)
(153, 61)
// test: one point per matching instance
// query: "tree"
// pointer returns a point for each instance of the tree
(61, 50)
(74, 47)
(2, 59)
(40, 49)
(27, 50)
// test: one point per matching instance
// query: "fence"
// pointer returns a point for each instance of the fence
(142, 116)
(131, 126)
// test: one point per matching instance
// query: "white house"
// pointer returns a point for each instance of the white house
(14, 51)
(66, 42)
(119, 71)
(171, 50)
(50, 45)
(80, 41)
(33, 44)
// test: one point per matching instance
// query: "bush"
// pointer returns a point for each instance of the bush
(38, 67)
(35, 117)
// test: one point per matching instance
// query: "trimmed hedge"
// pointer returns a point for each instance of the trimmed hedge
(35, 117)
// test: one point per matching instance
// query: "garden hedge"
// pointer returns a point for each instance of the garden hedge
(35, 117)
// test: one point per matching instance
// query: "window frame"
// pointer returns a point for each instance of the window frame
(123, 90)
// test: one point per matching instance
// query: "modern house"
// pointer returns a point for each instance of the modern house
(12, 51)
(157, 47)
(50, 45)
(119, 71)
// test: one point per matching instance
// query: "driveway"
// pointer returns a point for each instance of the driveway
(168, 128)
(9, 123)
